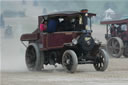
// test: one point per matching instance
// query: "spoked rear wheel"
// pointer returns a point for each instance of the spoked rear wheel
(101, 61)
(69, 61)
(115, 47)
(34, 60)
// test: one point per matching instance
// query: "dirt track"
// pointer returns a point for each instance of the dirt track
(116, 74)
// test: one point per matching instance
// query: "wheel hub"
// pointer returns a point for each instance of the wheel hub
(68, 61)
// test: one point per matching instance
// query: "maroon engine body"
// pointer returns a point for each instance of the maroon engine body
(49, 41)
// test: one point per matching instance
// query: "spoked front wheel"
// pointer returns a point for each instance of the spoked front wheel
(101, 61)
(70, 61)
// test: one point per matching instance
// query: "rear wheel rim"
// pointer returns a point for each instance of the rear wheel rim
(31, 58)
(115, 47)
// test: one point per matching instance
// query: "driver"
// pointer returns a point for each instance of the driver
(113, 30)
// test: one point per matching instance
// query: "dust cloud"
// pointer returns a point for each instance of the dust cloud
(12, 50)
(12, 55)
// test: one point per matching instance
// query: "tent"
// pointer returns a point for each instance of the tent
(108, 14)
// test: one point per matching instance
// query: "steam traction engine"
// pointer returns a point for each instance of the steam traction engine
(67, 41)
(117, 37)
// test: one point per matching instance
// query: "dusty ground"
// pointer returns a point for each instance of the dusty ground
(116, 74)
(14, 71)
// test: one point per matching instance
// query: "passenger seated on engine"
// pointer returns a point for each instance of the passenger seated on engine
(65, 25)
(113, 30)
(52, 25)
(119, 29)
(43, 25)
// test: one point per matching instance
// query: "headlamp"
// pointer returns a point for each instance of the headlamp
(74, 41)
